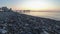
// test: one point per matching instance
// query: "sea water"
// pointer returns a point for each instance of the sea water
(51, 15)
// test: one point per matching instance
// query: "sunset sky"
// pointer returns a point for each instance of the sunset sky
(31, 4)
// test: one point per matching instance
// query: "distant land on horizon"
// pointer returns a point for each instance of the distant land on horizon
(40, 10)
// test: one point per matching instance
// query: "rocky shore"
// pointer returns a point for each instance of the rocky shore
(15, 23)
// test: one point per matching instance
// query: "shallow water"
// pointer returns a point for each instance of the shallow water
(51, 15)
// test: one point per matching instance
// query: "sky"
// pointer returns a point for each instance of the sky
(31, 4)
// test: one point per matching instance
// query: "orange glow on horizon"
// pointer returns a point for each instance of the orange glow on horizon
(35, 5)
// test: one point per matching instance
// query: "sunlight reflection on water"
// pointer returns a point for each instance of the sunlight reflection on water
(52, 15)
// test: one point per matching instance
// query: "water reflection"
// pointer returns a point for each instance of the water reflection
(52, 15)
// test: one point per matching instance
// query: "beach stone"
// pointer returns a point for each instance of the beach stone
(16, 23)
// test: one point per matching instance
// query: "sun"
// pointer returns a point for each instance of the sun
(36, 5)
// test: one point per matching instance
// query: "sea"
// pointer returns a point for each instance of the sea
(51, 15)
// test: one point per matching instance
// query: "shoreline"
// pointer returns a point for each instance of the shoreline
(41, 17)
